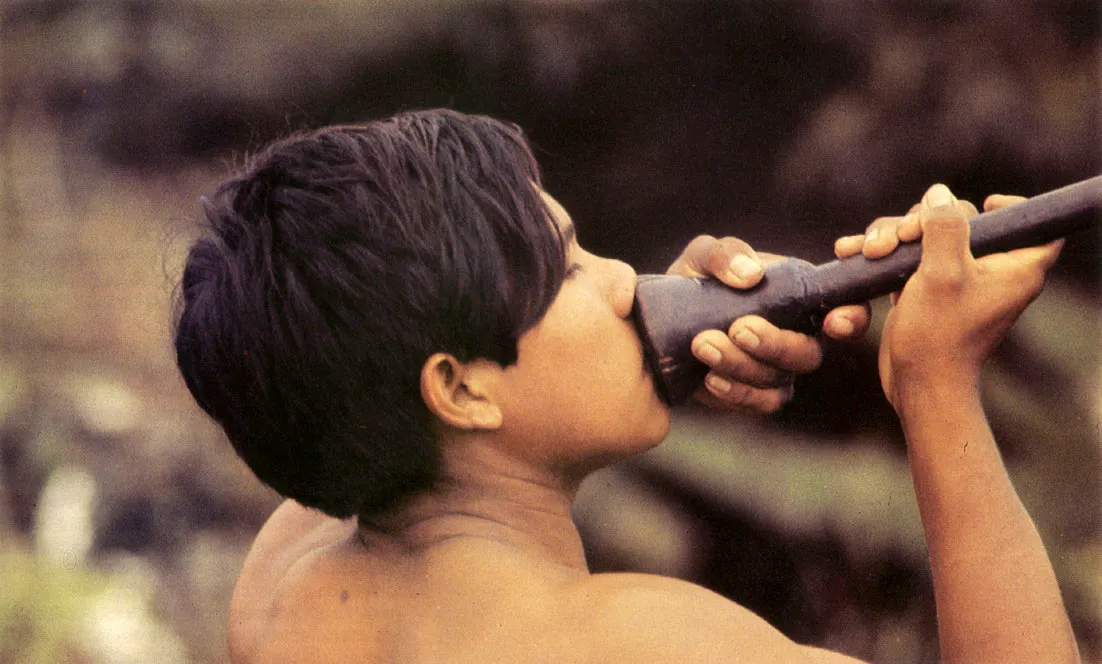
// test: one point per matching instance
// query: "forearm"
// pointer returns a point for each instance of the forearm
(997, 596)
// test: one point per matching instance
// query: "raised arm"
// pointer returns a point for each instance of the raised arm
(996, 593)
(997, 596)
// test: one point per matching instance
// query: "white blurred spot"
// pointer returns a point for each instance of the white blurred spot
(63, 530)
(106, 406)
(121, 628)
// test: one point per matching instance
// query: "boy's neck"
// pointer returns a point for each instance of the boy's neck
(489, 495)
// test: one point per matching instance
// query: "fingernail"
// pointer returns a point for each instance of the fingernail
(872, 235)
(745, 267)
(709, 354)
(717, 383)
(747, 339)
(843, 326)
(939, 195)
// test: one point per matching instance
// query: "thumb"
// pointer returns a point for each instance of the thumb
(729, 259)
(945, 251)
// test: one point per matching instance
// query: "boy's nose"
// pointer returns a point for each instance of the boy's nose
(621, 287)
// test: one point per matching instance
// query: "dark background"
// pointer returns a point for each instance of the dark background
(123, 515)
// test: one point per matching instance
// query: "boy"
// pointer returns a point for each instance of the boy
(394, 322)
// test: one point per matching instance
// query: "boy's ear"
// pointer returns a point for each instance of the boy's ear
(456, 392)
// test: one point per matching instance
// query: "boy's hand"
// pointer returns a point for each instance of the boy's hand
(754, 363)
(886, 233)
(955, 309)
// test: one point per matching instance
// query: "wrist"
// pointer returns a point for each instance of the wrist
(936, 392)
(942, 420)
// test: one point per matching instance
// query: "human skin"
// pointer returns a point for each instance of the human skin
(753, 363)
(490, 568)
(996, 593)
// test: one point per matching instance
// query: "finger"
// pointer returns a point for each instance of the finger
(937, 196)
(693, 260)
(946, 255)
(881, 237)
(735, 263)
(945, 232)
(846, 323)
(1027, 259)
(940, 196)
(721, 394)
(716, 350)
(1022, 272)
(910, 229)
(967, 209)
(998, 201)
(783, 349)
(1043, 256)
(729, 259)
(847, 246)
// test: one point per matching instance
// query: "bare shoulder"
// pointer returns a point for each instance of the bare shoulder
(646, 618)
(305, 595)
(279, 558)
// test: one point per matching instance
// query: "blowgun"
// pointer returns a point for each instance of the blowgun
(794, 294)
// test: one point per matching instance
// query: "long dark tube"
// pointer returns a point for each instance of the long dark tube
(794, 294)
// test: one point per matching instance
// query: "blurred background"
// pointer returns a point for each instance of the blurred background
(124, 516)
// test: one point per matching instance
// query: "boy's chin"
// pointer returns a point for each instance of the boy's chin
(654, 434)
(622, 451)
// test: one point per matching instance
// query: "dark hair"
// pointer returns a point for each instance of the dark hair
(333, 268)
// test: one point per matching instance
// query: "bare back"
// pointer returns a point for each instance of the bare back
(311, 591)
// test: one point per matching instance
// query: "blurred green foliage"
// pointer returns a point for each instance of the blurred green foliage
(42, 607)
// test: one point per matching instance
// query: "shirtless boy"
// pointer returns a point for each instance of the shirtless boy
(398, 331)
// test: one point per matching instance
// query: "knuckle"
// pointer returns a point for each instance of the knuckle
(772, 401)
(910, 229)
(702, 240)
(735, 365)
(942, 220)
(730, 246)
(768, 376)
(732, 241)
(741, 394)
(796, 352)
(810, 358)
(945, 277)
(967, 209)
(881, 222)
(748, 370)
(693, 259)
(699, 245)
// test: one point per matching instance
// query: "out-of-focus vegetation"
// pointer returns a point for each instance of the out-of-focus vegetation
(41, 607)
(123, 514)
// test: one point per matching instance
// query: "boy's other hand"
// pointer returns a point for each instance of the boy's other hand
(955, 309)
(754, 363)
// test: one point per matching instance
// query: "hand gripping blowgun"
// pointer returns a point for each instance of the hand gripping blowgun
(794, 294)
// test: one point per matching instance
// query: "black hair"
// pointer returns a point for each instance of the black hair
(332, 268)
